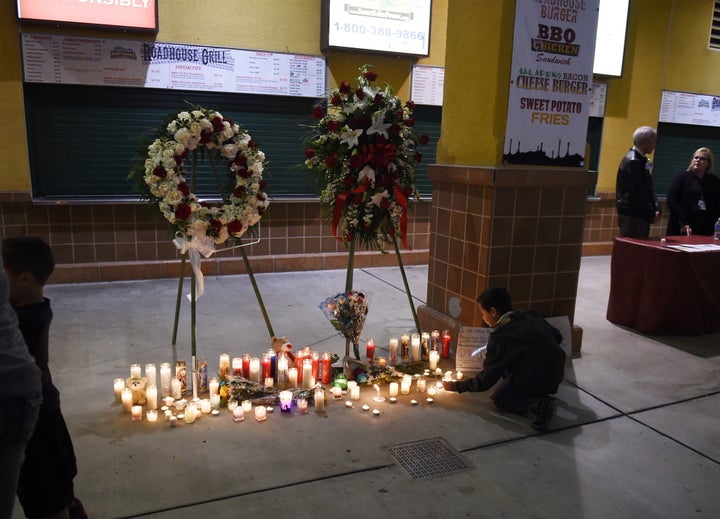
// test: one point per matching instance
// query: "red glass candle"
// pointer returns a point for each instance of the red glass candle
(370, 349)
(299, 365)
(237, 367)
(445, 354)
(266, 367)
(326, 367)
(246, 365)
(315, 356)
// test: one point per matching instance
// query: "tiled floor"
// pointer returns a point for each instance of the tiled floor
(636, 434)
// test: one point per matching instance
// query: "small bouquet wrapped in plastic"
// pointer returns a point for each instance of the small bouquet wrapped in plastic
(346, 311)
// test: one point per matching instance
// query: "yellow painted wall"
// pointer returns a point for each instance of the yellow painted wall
(274, 25)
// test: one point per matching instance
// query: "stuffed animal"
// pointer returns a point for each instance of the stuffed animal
(282, 345)
(137, 385)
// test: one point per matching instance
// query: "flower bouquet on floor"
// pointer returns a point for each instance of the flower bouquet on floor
(346, 311)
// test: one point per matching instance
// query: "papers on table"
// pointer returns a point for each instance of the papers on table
(700, 247)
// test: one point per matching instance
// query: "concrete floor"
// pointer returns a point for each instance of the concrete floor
(636, 433)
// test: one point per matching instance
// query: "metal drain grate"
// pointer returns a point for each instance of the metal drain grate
(427, 458)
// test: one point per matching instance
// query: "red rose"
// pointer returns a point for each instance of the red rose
(333, 126)
(344, 87)
(216, 226)
(159, 171)
(234, 227)
(410, 122)
(252, 145)
(385, 204)
(218, 125)
(184, 189)
(348, 181)
(418, 157)
(309, 153)
(359, 93)
(318, 113)
(239, 192)
(424, 139)
(262, 184)
(410, 105)
(378, 99)
(336, 100)
(358, 160)
(370, 75)
(330, 161)
(357, 200)
(394, 130)
(183, 212)
(261, 197)
(205, 137)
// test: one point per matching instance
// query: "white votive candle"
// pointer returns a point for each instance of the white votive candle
(432, 391)
(260, 413)
(127, 399)
(434, 359)
(118, 385)
(151, 374)
(214, 386)
(394, 388)
(459, 375)
(255, 369)
(355, 393)
(190, 413)
(415, 347)
(393, 350)
(238, 414)
(421, 385)
(269, 382)
(151, 397)
(292, 377)
(135, 371)
(247, 406)
(405, 384)
(152, 415)
(320, 400)
(176, 385)
(165, 377)
(205, 406)
(215, 401)
(136, 413)
(307, 378)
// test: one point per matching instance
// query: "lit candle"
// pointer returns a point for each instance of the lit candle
(151, 374)
(307, 378)
(224, 365)
(246, 358)
(448, 375)
(266, 368)
(421, 385)
(255, 369)
(190, 413)
(135, 371)
(180, 404)
(393, 400)
(205, 406)
(302, 405)
(181, 374)
(247, 406)
(348, 403)
(136, 413)
(434, 359)
(315, 358)
(415, 347)
(238, 414)
(370, 349)
(438, 371)
(424, 346)
(151, 397)
(176, 388)
(355, 393)
(214, 386)
(382, 361)
(118, 385)
(445, 344)
(260, 413)
(285, 401)
(168, 401)
(393, 350)
(165, 377)
(405, 348)
(435, 340)
(232, 405)
(320, 400)
(377, 397)
(282, 370)
(292, 377)
(152, 415)
(405, 384)
(173, 421)
(336, 393)
(459, 375)
(237, 367)
(394, 388)
(326, 361)
(429, 400)
(432, 391)
(126, 397)
(365, 407)
(413, 402)
(269, 382)
(215, 401)
(351, 384)
(168, 414)
(376, 412)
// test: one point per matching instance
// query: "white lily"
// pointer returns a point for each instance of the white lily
(378, 124)
(350, 137)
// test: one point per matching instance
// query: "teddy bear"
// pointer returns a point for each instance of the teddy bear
(137, 385)
(282, 345)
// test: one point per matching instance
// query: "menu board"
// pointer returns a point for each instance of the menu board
(687, 108)
(149, 64)
(427, 85)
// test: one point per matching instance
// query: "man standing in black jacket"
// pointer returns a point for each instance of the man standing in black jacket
(637, 206)
(524, 350)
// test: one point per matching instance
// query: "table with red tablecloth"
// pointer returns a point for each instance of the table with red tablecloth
(658, 288)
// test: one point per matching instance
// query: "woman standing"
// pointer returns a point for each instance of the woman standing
(694, 198)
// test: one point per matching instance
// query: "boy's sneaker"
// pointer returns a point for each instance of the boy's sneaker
(546, 412)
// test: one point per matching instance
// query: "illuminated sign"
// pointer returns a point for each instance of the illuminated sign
(133, 15)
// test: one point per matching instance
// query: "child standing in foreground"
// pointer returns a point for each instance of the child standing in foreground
(45, 488)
